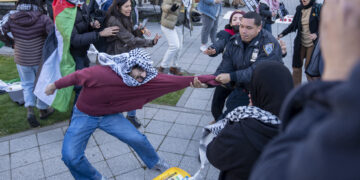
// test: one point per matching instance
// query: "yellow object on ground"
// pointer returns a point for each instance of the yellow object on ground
(173, 173)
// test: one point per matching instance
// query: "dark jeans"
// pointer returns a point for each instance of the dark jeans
(218, 101)
(238, 97)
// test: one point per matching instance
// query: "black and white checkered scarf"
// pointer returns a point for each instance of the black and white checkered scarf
(243, 112)
(122, 64)
(238, 114)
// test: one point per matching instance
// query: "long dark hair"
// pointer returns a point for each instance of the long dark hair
(114, 10)
(38, 3)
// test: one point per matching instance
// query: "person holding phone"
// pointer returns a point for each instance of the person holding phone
(119, 14)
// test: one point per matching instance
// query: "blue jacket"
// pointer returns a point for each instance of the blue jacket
(209, 8)
(237, 59)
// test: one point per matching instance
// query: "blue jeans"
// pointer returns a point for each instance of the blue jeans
(27, 76)
(238, 97)
(209, 28)
(80, 130)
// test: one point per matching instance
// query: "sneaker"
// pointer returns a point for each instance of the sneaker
(134, 120)
(44, 113)
(161, 165)
(203, 47)
(175, 71)
(31, 118)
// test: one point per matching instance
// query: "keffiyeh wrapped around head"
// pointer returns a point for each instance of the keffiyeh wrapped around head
(123, 63)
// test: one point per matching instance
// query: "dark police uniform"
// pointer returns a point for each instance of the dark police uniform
(240, 59)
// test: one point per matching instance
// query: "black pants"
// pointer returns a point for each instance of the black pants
(218, 101)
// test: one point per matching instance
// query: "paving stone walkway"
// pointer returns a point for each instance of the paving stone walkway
(173, 131)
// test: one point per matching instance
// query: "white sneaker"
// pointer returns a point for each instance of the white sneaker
(161, 165)
(203, 48)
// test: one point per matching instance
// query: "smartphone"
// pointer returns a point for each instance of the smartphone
(144, 22)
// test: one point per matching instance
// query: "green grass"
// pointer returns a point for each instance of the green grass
(13, 116)
(169, 99)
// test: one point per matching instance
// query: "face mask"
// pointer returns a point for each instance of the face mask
(236, 28)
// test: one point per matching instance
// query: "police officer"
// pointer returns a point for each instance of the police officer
(243, 52)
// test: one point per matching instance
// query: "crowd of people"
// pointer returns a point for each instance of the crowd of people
(272, 127)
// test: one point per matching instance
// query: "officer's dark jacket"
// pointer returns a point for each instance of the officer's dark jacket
(314, 22)
(82, 35)
(236, 59)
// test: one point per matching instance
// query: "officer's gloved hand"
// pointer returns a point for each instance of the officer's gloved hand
(174, 7)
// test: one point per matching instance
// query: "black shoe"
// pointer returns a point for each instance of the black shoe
(134, 120)
(44, 113)
(32, 118)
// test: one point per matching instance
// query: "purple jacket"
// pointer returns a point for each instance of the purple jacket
(30, 29)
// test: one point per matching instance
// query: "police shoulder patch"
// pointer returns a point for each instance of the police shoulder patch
(268, 48)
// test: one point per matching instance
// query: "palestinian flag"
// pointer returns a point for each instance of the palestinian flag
(58, 61)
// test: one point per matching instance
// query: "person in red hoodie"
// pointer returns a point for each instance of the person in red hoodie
(125, 82)
(28, 29)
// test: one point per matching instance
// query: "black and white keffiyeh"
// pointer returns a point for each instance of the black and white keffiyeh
(122, 64)
(243, 112)
(236, 115)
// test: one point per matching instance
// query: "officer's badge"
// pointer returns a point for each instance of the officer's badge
(314, 14)
(268, 48)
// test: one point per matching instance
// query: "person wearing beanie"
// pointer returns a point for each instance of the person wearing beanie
(306, 22)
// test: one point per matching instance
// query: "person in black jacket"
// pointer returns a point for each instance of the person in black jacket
(243, 52)
(306, 22)
(238, 145)
(223, 36)
(320, 130)
(268, 10)
(222, 92)
(82, 36)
